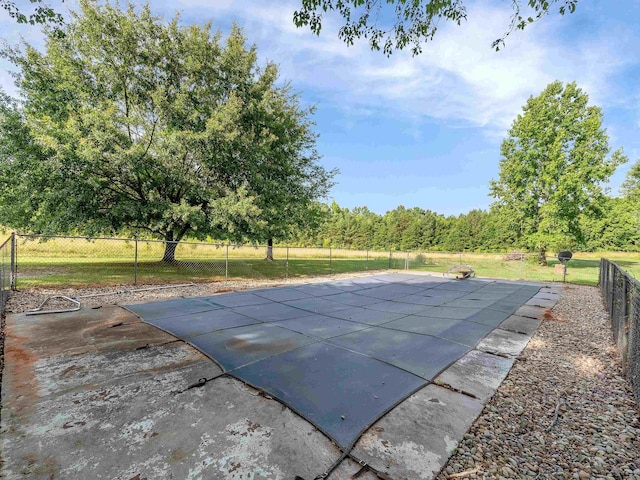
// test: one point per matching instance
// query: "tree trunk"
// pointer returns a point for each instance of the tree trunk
(542, 256)
(172, 239)
(169, 252)
(270, 249)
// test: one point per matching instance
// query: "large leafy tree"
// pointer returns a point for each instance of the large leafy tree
(390, 25)
(158, 127)
(554, 161)
(25, 177)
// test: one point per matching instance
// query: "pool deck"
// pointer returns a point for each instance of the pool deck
(100, 394)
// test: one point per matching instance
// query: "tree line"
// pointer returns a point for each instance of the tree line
(417, 229)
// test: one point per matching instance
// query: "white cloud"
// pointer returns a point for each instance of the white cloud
(458, 78)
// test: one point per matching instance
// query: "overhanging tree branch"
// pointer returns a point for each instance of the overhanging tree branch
(409, 23)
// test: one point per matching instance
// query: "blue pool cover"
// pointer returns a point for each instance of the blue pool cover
(341, 353)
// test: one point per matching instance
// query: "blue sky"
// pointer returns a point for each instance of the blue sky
(425, 131)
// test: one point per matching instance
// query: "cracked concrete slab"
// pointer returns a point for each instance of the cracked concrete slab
(541, 302)
(517, 324)
(93, 404)
(548, 295)
(477, 373)
(552, 289)
(503, 342)
(530, 311)
(417, 437)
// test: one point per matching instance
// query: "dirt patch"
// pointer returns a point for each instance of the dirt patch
(24, 360)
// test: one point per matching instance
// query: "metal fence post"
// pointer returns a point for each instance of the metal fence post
(287, 271)
(389, 259)
(612, 294)
(367, 264)
(135, 261)
(226, 265)
(330, 261)
(624, 294)
(406, 262)
(521, 266)
(14, 265)
(600, 274)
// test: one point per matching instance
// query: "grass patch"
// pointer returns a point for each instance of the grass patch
(95, 273)
(583, 268)
(76, 262)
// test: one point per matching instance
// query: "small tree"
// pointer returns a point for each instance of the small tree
(553, 164)
(162, 128)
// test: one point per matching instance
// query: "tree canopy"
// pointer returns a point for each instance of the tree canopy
(154, 126)
(631, 185)
(554, 161)
(412, 22)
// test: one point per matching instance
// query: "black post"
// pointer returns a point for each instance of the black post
(600, 274)
(330, 261)
(624, 300)
(135, 261)
(612, 295)
(14, 266)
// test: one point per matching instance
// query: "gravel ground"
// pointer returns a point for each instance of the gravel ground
(564, 411)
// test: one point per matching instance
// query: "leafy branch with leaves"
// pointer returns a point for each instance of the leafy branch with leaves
(412, 22)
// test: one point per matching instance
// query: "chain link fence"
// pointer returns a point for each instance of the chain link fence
(56, 261)
(512, 266)
(7, 269)
(80, 261)
(621, 294)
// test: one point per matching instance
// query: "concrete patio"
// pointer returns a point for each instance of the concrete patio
(98, 393)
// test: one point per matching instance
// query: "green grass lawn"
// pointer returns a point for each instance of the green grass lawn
(583, 268)
(42, 273)
(79, 262)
